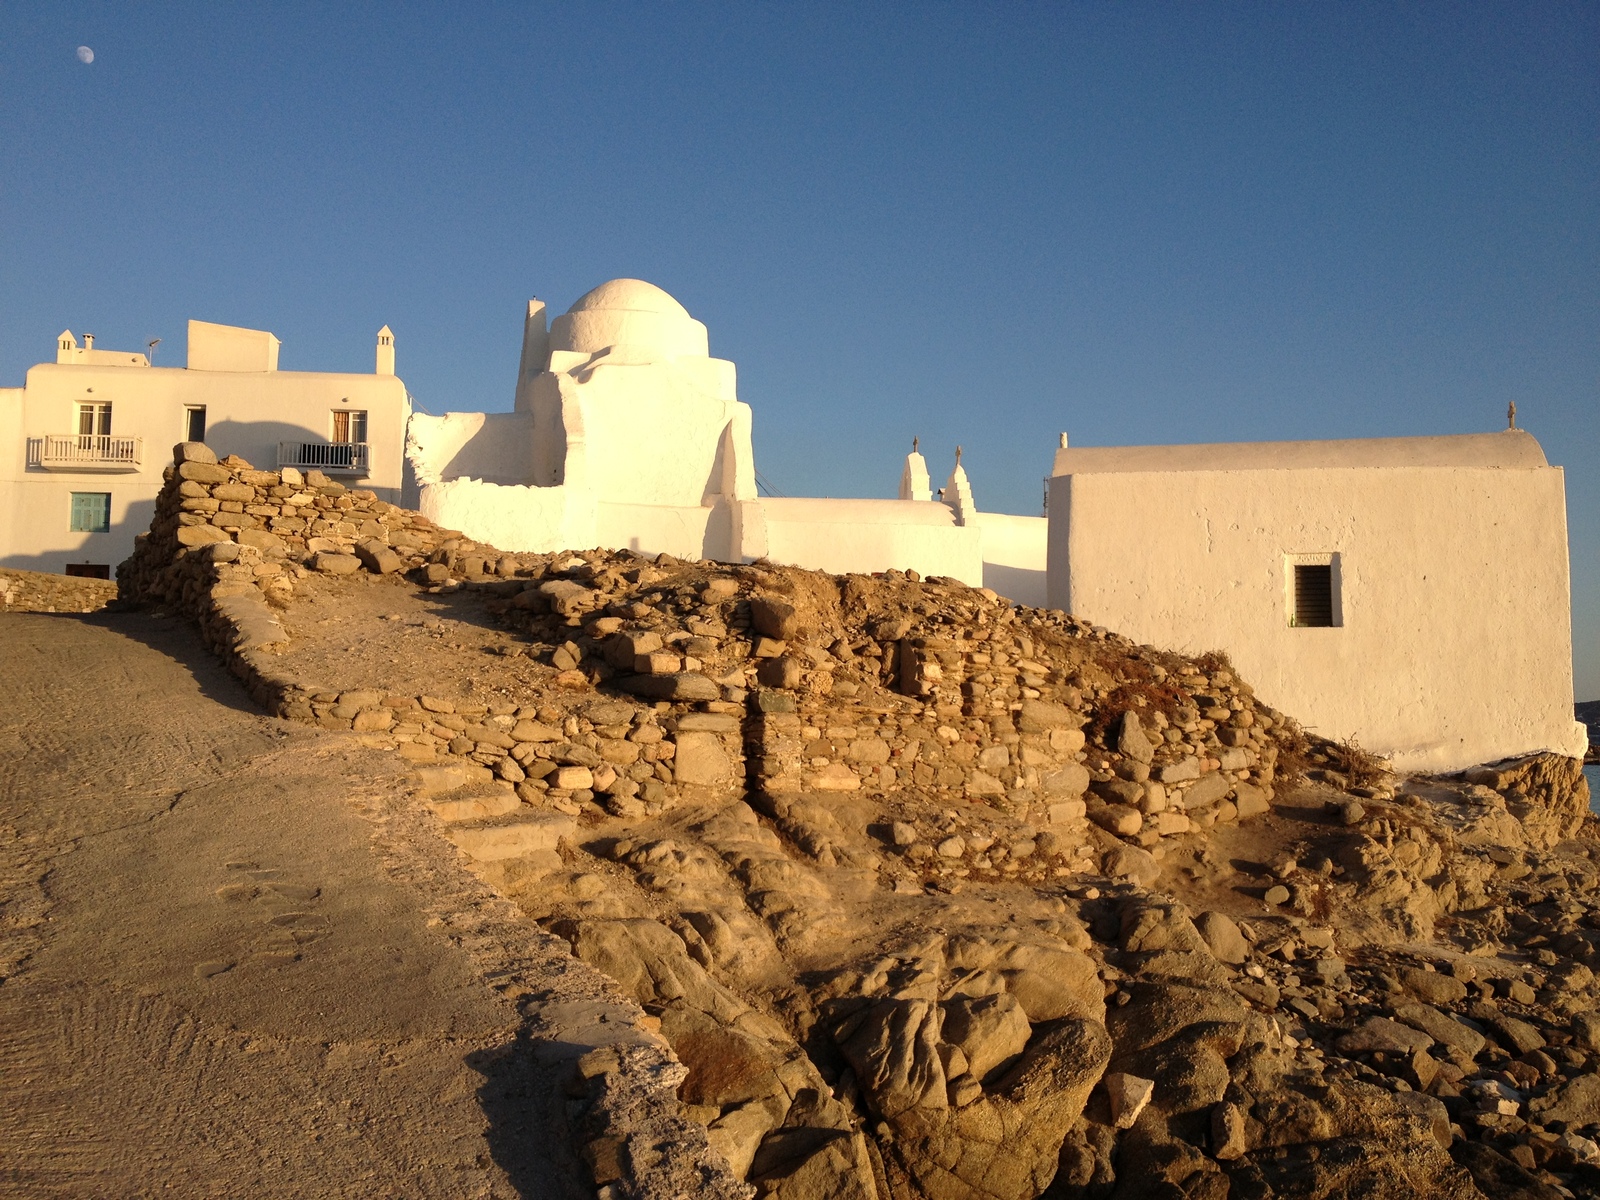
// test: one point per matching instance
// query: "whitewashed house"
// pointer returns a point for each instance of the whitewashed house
(84, 441)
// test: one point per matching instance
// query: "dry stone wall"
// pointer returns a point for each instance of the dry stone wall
(38, 591)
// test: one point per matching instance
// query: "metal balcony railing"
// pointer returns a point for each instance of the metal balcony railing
(354, 457)
(85, 452)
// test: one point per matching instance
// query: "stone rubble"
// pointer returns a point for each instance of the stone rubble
(934, 896)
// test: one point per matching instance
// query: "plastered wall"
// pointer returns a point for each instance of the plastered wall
(1456, 642)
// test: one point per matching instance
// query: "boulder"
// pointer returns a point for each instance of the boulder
(701, 759)
(1223, 937)
(332, 563)
(773, 617)
(1131, 740)
(990, 1031)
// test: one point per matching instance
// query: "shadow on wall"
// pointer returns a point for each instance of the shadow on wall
(136, 521)
(1017, 584)
(257, 443)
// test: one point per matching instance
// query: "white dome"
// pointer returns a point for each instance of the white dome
(632, 295)
(630, 314)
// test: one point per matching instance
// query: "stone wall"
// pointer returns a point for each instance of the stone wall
(39, 591)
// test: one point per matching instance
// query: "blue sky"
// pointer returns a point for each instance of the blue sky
(980, 223)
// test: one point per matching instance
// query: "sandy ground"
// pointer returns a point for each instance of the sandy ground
(216, 976)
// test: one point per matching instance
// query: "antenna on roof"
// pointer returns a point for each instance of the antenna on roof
(153, 343)
(1511, 415)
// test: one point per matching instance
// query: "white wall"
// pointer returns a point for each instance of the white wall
(497, 447)
(1015, 550)
(872, 535)
(1456, 642)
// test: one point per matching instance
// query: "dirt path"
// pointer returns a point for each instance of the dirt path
(214, 979)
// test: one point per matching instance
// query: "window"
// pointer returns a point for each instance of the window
(194, 423)
(91, 512)
(94, 419)
(1313, 591)
(89, 570)
(349, 426)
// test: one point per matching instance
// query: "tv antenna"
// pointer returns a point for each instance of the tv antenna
(153, 343)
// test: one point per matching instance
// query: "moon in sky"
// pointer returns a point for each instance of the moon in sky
(85, 55)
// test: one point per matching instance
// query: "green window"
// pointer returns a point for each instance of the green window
(91, 512)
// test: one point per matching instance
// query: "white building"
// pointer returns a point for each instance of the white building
(1409, 593)
(84, 441)
(626, 433)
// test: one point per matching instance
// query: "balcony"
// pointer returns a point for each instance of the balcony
(85, 452)
(346, 457)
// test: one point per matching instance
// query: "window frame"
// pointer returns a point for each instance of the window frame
(102, 513)
(1333, 560)
(356, 426)
(189, 411)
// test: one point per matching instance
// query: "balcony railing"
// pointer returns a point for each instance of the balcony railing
(353, 457)
(85, 452)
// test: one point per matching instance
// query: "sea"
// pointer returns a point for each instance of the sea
(1591, 772)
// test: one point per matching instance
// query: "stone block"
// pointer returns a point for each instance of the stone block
(538, 831)
(199, 472)
(1042, 716)
(1181, 771)
(773, 618)
(193, 452)
(378, 558)
(330, 563)
(200, 535)
(1250, 800)
(1070, 780)
(1206, 791)
(701, 759)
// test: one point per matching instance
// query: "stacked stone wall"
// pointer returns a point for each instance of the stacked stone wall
(39, 591)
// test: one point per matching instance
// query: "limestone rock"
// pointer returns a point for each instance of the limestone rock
(701, 760)
(1223, 938)
(1127, 1096)
(773, 617)
(990, 1031)
(1131, 739)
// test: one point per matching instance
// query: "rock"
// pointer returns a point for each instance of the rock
(1227, 1132)
(1382, 1034)
(1206, 790)
(331, 563)
(1352, 812)
(1586, 1030)
(701, 759)
(626, 648)
(566, 597)
(1276, 894)
(991, 1031)
(1119, 819)
(573, 779)
(835, 777)
(773, 617)
(199, 472)
(782, 673)
(1250, 800)
(1432, 1111)
(1070, 780)
(1222, 937)
(686, 685)
(1130, 862)
(193, 452)
(1577, 1102)
(1127, 1096)
(1042, 716)
(952, 847)
(537, 832)
(200, 535)
(1431, 987)
(1518, 1036)
(378, 558)
(903, 834)
(1182, 771)
(1131, 740)
(893, 1050)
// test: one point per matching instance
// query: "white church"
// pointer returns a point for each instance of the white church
(1412, 594)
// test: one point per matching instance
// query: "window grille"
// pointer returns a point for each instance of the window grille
(1313, 594)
